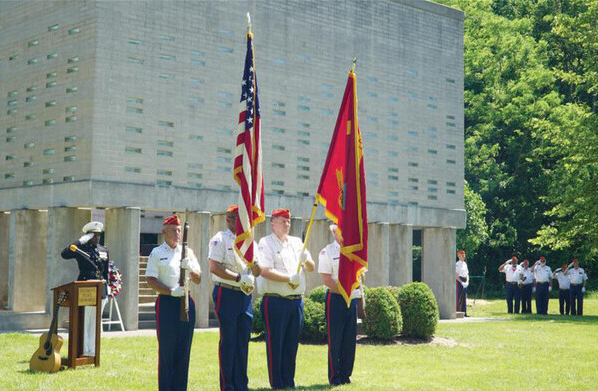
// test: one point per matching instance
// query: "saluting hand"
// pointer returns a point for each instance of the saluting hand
(85, 238)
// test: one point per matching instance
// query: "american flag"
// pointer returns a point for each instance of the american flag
(247, 170)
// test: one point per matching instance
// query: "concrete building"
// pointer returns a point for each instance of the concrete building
(128, 108)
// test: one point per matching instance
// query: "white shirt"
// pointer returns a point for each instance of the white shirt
(542, 273)
(164, 263)
(328, 264)
(283, 257)
(577, 276)
(222, 251)
(526, 277)
(511, 273)
(461, 269)
(563, 280)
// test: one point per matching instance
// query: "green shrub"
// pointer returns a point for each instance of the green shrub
(393, 290)
(419, 309)
(318, 294)
(258, 323)
(383, 320)
(314, 322)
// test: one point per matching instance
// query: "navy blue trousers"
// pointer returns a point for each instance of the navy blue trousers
(564, 300)
(576, 299)
(542, 296)
(283, 319)
(461, 296)
(342, 332)
(513, 294)
(235, 316)
(174, 343)
(526, 299)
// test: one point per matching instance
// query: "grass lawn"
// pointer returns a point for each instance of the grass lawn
(529, 353)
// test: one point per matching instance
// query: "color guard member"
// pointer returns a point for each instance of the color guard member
(282, 304)
(174, 336)
(512, 280)
(233, 285)
(578, 278)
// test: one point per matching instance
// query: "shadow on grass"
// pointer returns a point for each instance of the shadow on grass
(591, 319)
(312, 387)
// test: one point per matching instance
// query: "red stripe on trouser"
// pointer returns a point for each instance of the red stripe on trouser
(158, 333)
(222, 379)
(331, 375)
(457, 291)
(269, 344)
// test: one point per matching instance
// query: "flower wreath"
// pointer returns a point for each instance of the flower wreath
(115, 280)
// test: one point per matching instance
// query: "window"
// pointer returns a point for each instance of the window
(195, 99)
(32, 61)
(413, 188)
(11, 111)
(70, 139)
(393, 178)
(197, 82)
(451, 146)
(194, 137)
(12, 102)
(13, 57)
(327, 86)
(302, 168)
(196, 53)
(164, 143)
(303, 108)
(12, 94)
(53, 27)
(48, 180)
(372, 94)
(9, 175)
(12, 129)
(432, 151)
(10, 139)
(278, 130)
(412, 133)
(451, 81)
(413, 164)
(132, 150)
(31, 89)
(194, 166)
(166, 38)
(48, 152)
(50, 122)
(279, 61)
(51, 56)
(372, 79)
(432, 197)
(72, 60)
(132, 129)
(51, 75)
(303, 159)
(451, 161)
(70, 109)
(277, 183)
(164, 153)
(71, 148)
(326, 111)
(164, 172)
(69, 158)
(223, 169)
(51, 103)
(74, 31)
(28, 183)
(450, 191)
(277, 165)
(51, 84)
(223, 150)
(68, 178)
(135, 170)
(432, 190)
(133, 110)
(9, 157)
(134, 60)
(303, 177)
(133, 41)
(226, 50)
(71, 118)
(279, 112)
(303, 57)
(451, 184)
(70, 90)
(47, 171)
(167, 124)
(304, 125)
(451, 124)
(30, 99)
(226, 105)
(303, 133)
(169, 57)
(197, 62)
(72, 69)
(278, 147)
(303, 142)
(30, 117)
(327, 95)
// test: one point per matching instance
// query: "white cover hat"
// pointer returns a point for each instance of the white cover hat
(94, 226)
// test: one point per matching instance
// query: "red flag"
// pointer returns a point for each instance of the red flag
(248, 161)
(342, 191)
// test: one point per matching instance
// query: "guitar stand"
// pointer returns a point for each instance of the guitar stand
(112, 301)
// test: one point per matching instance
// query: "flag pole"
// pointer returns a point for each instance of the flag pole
(248, 24)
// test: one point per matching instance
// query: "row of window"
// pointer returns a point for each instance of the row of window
(29, 182)
(35, 42)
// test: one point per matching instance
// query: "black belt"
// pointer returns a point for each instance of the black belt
(289, 297)
(512, 283)
(234, 288)
(576, 284)
(563, 289)
(542, 283)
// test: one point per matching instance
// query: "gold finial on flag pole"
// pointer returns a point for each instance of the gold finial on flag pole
(248, 23)
(353, 64)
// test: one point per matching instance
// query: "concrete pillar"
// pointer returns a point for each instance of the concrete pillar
(262, 230)
(297, 227)
(4, 250)
(198, 240)
(400, 247)
(378, 255)
(319, 238)
(64, 227)
(122, 239)
(438, 267)
(27, 260)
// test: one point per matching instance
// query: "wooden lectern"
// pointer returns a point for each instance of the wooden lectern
(81, 294)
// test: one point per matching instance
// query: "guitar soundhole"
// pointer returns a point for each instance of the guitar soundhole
(43, 358)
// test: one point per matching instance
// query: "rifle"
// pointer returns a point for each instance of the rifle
(184, 308)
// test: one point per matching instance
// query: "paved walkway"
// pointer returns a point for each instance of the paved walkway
(474, 320)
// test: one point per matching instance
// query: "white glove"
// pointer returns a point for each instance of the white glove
(177, 292)
(534, 289)
(295, 279)
(247, 280)
(583, 289)
(549, 289)
(303, 257)
(465, 284)
(85, 238)
(187, 265)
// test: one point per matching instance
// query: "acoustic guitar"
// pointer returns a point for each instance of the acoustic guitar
(47, 357)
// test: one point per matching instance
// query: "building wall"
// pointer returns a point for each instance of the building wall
(158, 86)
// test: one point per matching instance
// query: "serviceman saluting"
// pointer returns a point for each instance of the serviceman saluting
(341, 320)
(564, 284)
(578, 278)
(462, 275)
(526, 280)
(543, 276)
(512, 280)
(233, 285)
(282, 305)
(93, 265)
(174, 335)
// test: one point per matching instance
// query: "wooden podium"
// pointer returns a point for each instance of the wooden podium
(81, 294)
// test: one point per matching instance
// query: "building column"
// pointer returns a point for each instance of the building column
(198, 240)
(4, 251)
(400, 247)
(64, 227)
(122, 240)
(438, 267)
(27, 260)
(378, 255)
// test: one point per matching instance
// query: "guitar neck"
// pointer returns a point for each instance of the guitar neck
(53, 326)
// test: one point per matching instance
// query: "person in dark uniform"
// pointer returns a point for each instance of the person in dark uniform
(564, 284)
(92, 260)
(280, 255)
(462, 276)
(526, 280)
(340, 319)
(233, 286)
(543, 277)
(578, 278)
(174, 335)
(512, 279)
